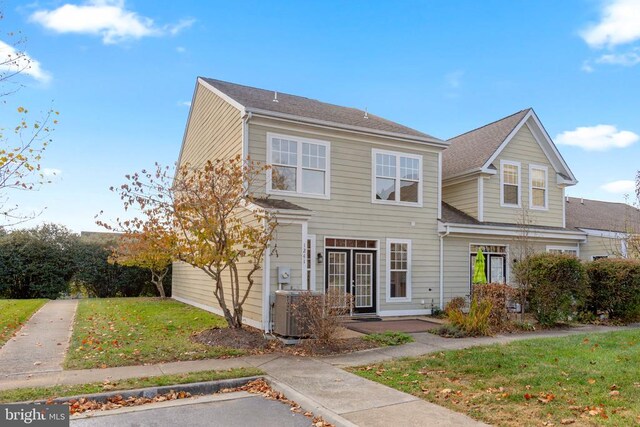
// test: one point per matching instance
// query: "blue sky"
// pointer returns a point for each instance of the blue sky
(121, 74)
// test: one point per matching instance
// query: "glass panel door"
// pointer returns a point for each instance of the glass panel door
(497, 269)
(363, 280)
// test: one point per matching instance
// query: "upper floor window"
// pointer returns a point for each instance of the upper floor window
(538, 187)
(509, 183)
(397, 178)
(298, 165)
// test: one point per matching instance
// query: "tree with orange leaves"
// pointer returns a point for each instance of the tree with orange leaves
(206, 218)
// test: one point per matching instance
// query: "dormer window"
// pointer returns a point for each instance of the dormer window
(509, 184)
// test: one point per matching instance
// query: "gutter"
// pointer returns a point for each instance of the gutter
(332, 125)
(442, 236)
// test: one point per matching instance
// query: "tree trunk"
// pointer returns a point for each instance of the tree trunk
(157, 280)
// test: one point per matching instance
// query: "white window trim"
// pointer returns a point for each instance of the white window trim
(545, 169)
(298, 192)
(398, 154)
(312, 259)
(564, 248)
(388, 270)
(517, 164)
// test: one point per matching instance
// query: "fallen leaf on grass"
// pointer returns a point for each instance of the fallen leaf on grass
(567, 421)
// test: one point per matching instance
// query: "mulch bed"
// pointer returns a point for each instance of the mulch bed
(253, 341)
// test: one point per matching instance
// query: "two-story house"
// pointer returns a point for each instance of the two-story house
(373, 208)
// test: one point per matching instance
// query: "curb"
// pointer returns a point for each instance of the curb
(309, 404)
(206, 387)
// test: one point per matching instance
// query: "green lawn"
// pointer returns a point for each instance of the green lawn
(579, 380)
(38, 393)
(135, 331)
(14, 313)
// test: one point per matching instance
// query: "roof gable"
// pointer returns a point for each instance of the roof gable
(264, 101)
(475, 151)
(471, 150)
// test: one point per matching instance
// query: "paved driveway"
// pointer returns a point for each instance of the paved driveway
(233, 409)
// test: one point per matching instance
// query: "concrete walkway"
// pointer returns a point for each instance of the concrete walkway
(320, 385)
(41, 344)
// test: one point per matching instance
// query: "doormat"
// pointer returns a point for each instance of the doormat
(407, 326)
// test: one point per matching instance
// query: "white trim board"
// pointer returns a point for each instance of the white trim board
(215, 310)
(510, 231)
(412, 312)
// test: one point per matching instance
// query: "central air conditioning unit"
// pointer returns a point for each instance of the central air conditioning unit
(286, 315)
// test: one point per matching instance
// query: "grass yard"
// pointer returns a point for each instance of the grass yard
(135, 331)
(578, 380)
(38, 393)
(14, 313)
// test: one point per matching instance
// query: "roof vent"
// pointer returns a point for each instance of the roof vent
(582, 201)
(366, 114)
(275, 96)
(566, 199)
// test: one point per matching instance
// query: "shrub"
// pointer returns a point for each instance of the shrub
(558, 286)
(498, 294)
(476, 322)
(390, 338)
(320, 315)
(456, 304)
(37, 262)
(615, 288)
(449, 331)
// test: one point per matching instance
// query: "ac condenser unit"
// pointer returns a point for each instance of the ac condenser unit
(285, 317)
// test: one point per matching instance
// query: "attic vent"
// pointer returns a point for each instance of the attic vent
(275, 96)
(366, 114)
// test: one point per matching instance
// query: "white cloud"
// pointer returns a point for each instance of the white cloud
(586, 67)
(620, 187)
(108, 19)
(12, 60)
(50, 172)
(618, 25)
(184, 104)
(181, 49)
(627, 59)
(597, 138)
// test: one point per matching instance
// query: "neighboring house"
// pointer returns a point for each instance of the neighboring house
(368, 206)
(612, 228)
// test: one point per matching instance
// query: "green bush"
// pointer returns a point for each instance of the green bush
(615, 288)
(558, 286)
(476, 322)
(36, 263)
(389, 338)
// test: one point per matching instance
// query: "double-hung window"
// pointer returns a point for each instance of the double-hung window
(537, 187)
(299, 166)
(397, 178)
(509, 183)
(398, 270)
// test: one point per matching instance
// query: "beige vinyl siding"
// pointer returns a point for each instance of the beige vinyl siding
(599, 246)
(351, 213)
(457, 268)
(523, 148)
(287, 252)
(214, 130)
(195, 286)
(463, 196)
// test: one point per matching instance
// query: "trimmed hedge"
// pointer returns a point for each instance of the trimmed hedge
(615, 288)
(558, 286)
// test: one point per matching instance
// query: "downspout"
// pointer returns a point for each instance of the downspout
(442, 236)
(245, 135)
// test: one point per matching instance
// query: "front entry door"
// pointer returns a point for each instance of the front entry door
(353, 271)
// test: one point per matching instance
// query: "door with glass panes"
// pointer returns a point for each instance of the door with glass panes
(353, 271)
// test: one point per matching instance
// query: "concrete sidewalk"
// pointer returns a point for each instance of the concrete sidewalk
(320, 385)
(41, 344)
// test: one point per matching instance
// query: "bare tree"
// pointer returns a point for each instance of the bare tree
(522, 249)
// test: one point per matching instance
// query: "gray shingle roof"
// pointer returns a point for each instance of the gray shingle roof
(277, 204)
(261, 99)
(472, 149)
(599, 215)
